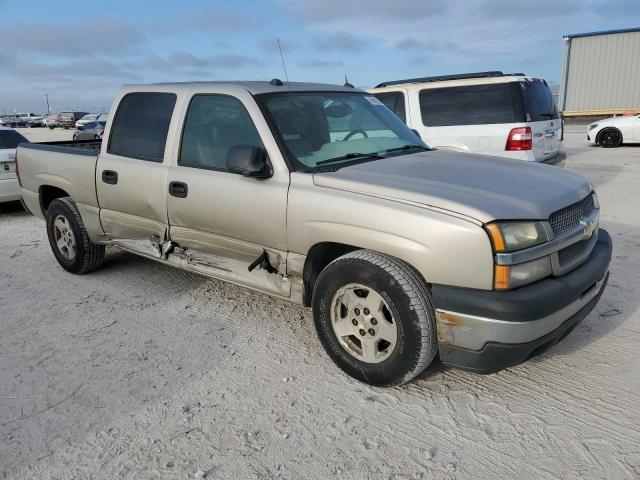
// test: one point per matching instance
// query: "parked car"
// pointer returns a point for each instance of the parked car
(90, 117)
(320, 195)
(52, 121)
(613, 132)
(103, 117)
(14, 121)
(25, 120)
(507, 115)
(9, 188)
(35, 121)
(69, 119)
(90, 131)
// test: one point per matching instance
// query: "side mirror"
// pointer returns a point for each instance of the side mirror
(249, 161)
(80, 127)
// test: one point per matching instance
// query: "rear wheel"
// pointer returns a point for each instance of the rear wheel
(75, 138)
(610, 138)
(68, 238)
(374, 316)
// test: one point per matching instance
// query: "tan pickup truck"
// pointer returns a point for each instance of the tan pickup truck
(320, 195)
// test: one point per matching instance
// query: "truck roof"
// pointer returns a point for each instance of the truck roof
(254, 87)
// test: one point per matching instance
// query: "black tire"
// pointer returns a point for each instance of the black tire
(75, 138)
(88, 255)
(409, 301)
(610, 138)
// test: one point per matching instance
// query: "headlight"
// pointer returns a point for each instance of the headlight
(510, 236)
(513, 276)
(592, 126)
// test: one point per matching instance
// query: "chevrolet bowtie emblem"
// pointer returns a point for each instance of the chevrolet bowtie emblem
(589, 228)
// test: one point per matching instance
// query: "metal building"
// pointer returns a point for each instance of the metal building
(600, 73)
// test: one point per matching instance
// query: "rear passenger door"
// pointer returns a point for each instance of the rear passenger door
(131, 173)
(223, 221)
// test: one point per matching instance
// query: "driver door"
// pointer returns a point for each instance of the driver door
(223, 221)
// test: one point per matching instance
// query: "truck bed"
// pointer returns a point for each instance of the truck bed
(67, 166)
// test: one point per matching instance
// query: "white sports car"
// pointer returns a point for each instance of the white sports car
(614, 131)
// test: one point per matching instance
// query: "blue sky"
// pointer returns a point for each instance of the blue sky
(80, 52)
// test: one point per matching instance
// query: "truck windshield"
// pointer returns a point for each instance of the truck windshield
(332, 129)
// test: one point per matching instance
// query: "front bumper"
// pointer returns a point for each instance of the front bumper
(591, 136)
(486, 331)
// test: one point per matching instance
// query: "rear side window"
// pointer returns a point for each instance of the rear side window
(394, 101)
(11, 139)
(539, 104)
(214, 124)
(141, 125)
(468, 105)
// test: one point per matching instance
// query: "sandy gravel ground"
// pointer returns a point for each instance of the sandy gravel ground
(140, 371)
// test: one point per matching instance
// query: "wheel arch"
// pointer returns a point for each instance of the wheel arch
(323, 253)
(47, 194)
(319, 256)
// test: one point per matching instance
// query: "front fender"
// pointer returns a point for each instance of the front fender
(444, 248)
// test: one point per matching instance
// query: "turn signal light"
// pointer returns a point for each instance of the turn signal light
(497, 239)
(501, 277)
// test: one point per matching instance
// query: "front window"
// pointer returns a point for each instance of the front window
(337, 128)
(214, 125)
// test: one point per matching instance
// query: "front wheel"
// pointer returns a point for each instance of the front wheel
(375, 319)
(610, 138)
(68, 238)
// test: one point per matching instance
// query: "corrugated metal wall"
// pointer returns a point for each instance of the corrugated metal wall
(601, 72)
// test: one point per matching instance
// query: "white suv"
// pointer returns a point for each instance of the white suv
(507, 115)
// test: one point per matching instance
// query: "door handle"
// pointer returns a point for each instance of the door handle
(178, 189)
(110, 177)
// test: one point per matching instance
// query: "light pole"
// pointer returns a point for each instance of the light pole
(47, 99)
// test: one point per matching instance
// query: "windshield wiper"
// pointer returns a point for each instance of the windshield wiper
(406, 147)
(350, 156)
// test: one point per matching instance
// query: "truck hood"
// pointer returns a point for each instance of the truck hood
(482, 187)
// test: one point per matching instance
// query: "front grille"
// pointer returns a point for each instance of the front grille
(569, 217)
(567, 254)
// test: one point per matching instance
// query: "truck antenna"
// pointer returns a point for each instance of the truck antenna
(286, 76)
(346, 82)
(284, 67)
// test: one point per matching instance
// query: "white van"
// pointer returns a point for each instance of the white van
(507, 115)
